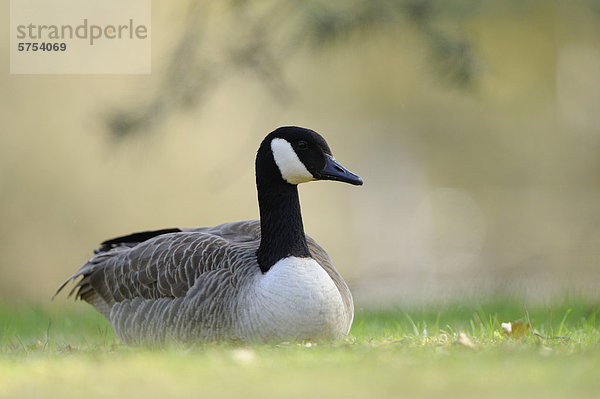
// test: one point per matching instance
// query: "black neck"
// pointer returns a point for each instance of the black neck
(282, 232)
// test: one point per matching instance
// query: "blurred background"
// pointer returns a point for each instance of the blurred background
(474, 124)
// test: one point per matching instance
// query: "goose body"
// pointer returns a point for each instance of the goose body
(255, 280)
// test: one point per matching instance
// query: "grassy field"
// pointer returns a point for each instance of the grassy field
(459, 350)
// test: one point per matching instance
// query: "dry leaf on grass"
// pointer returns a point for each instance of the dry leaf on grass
(516, 329)
(464, 340)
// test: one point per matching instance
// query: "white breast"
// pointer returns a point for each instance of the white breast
(295, 299)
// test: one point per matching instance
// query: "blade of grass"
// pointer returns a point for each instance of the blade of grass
(562, 323)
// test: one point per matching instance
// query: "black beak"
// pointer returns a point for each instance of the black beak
(334, 171)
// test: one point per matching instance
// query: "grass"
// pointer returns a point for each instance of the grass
(458, 350)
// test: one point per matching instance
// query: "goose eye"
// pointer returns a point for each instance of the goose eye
(302, 145)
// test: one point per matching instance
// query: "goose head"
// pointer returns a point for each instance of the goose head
(293, 155)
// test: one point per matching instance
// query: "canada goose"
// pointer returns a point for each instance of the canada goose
(250, 280)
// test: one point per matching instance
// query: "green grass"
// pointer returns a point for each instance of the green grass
(413, 352)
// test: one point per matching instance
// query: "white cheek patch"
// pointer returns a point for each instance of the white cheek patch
(292, 169)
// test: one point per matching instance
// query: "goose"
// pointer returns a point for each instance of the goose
(251, 281)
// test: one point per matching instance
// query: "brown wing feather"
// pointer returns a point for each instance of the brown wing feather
(164, 266)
